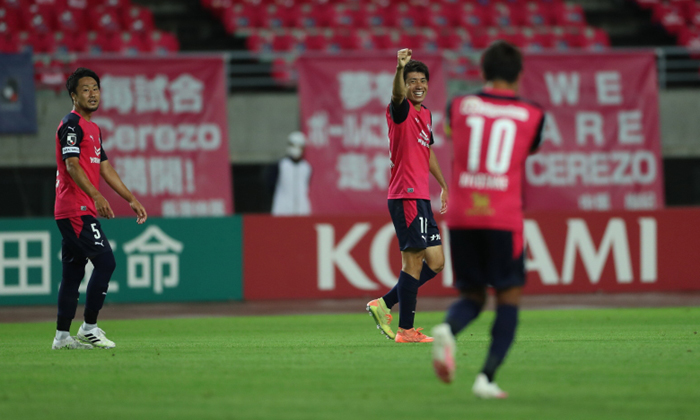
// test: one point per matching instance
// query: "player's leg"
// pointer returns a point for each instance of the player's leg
(508, 277)
(102, 259)
(73, 270)
(468, 270)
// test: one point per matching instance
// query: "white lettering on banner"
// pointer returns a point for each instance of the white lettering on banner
(150, 94)
(640, 201)
(613, 168)
(25, 263)
(358, 88)
(160, 175)
(318, 129)
(153, 258)
(550, 131)
(597, 201)
(139, 93)
(359, 172)
(563, 86)
(578, 242)
(614, 239)
(608, 87)
(331, 256)
(382, 168)
(589, 124)
(163, 137)
(188, 208)
(629, 127)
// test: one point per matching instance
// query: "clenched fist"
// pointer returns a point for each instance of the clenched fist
(403, 57)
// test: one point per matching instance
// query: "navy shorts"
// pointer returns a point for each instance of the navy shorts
(414, 224)
(487, 257)
(82, 238)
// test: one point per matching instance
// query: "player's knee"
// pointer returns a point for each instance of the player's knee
(437, 267)
(105, 263)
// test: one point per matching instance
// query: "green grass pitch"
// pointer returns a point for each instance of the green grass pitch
(565, 364)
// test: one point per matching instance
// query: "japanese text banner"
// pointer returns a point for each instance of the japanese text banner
(164, 129)
(343, 101)
(601, 145)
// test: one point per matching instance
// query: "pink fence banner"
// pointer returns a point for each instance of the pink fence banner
(164, 129)
(601, 147)
(343, 101)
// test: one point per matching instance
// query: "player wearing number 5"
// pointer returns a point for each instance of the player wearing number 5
(81, 161)
(412, 162)
(493, 132)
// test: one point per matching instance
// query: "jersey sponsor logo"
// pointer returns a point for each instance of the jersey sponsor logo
(94, 160)
(482, 205)
(71, 139)
(424, 139)
(70, 150)
(473, 105)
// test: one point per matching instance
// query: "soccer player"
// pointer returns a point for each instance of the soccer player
(493, 132)
(412, 159)
(81, 161)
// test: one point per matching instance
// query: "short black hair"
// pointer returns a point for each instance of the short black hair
(79, 73)
(502, 61)
(417, 67)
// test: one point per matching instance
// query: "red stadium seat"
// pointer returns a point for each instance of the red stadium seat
(316, 39)
(116, 4)
(534, 14)
(483, 37)
(503, 14)
(319, 15)
(23, 41)
(160, 42)
(137, 19)
(472, 15)
(259, 41)
(568, 14)
(593, 39)
(345, 39)
(40, 19)
(381, 16)
(670, 17)
(533, 40)
(349, 15)
(385, 39)
(287, 15)
(11, 18)
(8, 43)
(69, 20)
(418, 39)
(692, 14)
(242, 16)
(103, 19)
(217, 7)
(413, 15)
(284, 40)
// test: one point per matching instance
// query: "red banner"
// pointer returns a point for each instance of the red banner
(581, 252)
(343, 105)
(164, 129)
(601, 148)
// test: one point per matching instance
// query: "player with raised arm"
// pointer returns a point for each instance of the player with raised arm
(493, 132)
(412, 160)
(81, 161)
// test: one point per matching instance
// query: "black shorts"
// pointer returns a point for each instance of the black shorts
(414, 224)
(487, 257)
(82, 238)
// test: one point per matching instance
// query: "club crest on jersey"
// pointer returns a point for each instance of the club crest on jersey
(71, 139)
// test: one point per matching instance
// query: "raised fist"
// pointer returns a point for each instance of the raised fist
(403, 57)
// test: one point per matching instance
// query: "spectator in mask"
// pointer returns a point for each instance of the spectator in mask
(291, 196)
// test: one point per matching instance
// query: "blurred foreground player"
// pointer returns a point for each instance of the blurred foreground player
(493, 132)
(81, 161)
(412, 162)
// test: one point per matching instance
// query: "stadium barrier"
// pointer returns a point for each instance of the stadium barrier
(165, 260)
(568, 252)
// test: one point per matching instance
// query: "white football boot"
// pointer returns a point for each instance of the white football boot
(484, 389)
(69, 343)
(96, 337)
(444, 348)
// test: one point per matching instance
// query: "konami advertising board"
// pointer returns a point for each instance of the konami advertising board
(567, 252)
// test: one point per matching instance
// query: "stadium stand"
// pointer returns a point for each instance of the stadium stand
(57, 28)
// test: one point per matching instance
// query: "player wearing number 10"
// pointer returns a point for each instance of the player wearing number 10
(81, 161)
(493, 132)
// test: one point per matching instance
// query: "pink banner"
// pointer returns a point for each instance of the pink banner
(601, 145)
(343, 105)
(164, 129)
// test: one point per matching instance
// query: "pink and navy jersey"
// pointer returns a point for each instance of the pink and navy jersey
(410, 137)
(79, 138)
(493, 132)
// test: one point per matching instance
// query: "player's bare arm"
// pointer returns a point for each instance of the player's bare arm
(398, 93)
(110, 175)
(78, 174)
(437, 173)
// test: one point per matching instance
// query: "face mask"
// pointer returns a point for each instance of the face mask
(294, 152)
